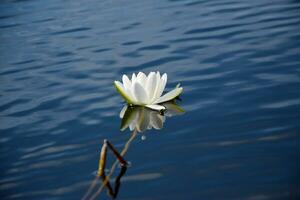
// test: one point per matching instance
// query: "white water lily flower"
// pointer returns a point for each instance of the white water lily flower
(145, 90)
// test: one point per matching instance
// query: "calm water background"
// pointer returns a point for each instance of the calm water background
(238, 62)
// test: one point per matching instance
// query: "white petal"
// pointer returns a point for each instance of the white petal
(156, 120)
(120, 88)
(131, 126)
(158, 76)
(122, 112)
(133, 78)
(157, 88)
(169, 96)
(142, 78)
(128, 87)
(126, 82)
(136, 117)
(144, 120)
(130, 94)
(139, 93)
(156, 107)
(161, 86)
(151, 85)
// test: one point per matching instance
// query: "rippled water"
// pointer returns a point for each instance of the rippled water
(238, 62)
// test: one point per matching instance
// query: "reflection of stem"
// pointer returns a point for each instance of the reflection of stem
(114, 192)
(118, 181)
(108, 186)
(102, 165)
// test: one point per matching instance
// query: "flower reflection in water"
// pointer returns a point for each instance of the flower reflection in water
(138, 119)
(142, 118)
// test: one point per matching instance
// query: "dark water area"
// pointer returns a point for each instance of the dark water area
(239, 65)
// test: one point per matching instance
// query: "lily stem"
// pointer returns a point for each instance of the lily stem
(119, 157)
(102, 159)
(134, 133)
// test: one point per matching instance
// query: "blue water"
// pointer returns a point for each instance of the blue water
(239, 65)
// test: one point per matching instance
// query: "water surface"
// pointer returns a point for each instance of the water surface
(238, 62)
